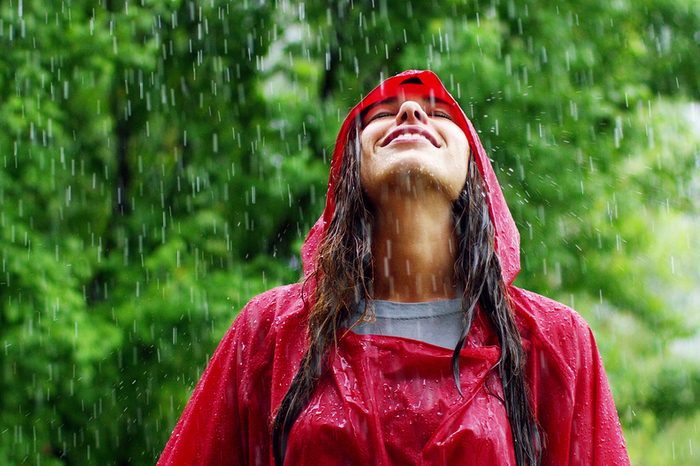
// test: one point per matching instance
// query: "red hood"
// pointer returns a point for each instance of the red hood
(507, 237)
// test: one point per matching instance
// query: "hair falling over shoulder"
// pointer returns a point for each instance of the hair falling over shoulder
(344, 276)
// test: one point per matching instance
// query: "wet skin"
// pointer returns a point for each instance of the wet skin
(413, 167)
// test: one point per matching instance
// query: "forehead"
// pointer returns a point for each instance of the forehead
(424, 98)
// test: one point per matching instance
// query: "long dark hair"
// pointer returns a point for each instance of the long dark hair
(343, 276)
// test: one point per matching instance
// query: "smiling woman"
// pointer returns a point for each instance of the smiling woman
(406, 343)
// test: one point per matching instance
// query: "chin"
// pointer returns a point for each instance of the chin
(411, 172)
(416, 179)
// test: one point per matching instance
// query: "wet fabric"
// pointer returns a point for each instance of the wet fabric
(387, 400)
(435, 322)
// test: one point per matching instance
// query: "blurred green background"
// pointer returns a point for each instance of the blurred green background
(161, 162)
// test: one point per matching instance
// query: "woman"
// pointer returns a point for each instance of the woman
(406, 342)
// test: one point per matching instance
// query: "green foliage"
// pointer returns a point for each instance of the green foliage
(161, 162)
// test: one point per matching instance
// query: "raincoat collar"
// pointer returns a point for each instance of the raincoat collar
(507, 239)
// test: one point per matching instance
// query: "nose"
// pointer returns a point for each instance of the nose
(411, 112)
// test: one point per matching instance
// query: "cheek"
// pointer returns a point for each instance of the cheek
(460, 157)
(369, 137)
(366, 159)
(462, 142)
(365, 151)
(460, 149)
(368, 140)
(365, 146)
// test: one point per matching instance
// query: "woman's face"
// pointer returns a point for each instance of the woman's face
(412, 140)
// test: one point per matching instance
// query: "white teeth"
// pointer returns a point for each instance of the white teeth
(410, 136)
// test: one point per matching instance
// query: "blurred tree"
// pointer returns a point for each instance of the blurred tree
(161, 162)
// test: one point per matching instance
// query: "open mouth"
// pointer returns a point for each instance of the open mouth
(409, 134)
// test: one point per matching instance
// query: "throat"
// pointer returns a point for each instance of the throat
(414, 250)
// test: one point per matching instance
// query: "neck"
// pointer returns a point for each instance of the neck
(414, 248)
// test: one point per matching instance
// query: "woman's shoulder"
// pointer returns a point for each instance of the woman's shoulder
(276, 303)
(240, 383)
(568, 384)
(270, 313)
(546, 313)
(553, 328)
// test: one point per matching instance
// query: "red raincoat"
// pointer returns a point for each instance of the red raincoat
(391, 400)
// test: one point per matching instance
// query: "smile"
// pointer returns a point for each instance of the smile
(409, 133)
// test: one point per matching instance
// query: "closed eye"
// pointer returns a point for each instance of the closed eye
(440, 114)
(381, 115)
